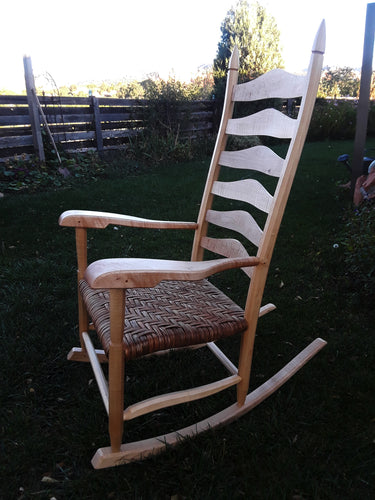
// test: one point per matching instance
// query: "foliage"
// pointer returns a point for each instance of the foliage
(336, 119)
(343, 82)
(23, 174)
(131, 90)
(166, 115)
(200, 87)
(359, 242)
(257, 37)
(371, 120)
(332, 120)
(339, 82)
(161, 140)
(264, 48)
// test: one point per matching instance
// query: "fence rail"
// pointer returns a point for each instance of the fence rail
(78, 123)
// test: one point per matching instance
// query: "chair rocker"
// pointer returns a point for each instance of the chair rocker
(140, 307)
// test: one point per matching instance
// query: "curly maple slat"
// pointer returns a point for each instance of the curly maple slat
(269, 122)
(237, 220)
(277, 83)
(259, 158)
(228, 247)
(248, 190)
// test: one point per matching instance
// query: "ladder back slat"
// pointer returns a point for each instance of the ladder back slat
(248, 190)
(237, 220)
(227, 247)
(277, 83)
(266, 122)
(259, 158)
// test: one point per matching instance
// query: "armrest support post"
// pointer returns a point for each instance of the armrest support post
(116, 368)
(81, 246)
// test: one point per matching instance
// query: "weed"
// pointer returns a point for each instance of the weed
(359, 243)
(29, 175)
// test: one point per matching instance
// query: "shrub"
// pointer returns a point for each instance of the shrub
(23, 174)
(371, 120)
(166, 117)
(332, 120)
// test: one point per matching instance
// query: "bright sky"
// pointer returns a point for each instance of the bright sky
(81, 40)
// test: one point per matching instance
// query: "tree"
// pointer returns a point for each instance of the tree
(257, 37)
(372, 88)
(339, 82)
(131, 90)
(201, 87)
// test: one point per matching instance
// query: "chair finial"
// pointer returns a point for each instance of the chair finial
(234, 61)
(320, 39)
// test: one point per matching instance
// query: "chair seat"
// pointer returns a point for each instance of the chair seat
(170, 315)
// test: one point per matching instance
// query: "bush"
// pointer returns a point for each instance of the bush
(166, 117)
(332, 120)
(23, 174)
(371, 120)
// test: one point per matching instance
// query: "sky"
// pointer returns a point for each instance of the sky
(76, 41)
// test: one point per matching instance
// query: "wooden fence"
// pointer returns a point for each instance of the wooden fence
(80, 123)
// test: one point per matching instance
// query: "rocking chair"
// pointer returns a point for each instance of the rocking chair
(140, 307)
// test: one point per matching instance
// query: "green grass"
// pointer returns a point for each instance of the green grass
(313, 439)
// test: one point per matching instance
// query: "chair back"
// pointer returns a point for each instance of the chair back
(254, 212)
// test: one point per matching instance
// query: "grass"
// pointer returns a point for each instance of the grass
(313, 439)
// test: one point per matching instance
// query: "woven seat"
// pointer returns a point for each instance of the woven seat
(170, 315)
(142, 306)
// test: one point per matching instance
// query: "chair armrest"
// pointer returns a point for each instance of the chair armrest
(141, 273)
(100, 220)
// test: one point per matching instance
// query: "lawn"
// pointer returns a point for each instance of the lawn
(313, 439)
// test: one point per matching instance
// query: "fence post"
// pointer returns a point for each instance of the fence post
(33, 109)
(97, 124)
(364, 95)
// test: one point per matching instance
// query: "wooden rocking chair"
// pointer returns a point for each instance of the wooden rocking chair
(143, 306)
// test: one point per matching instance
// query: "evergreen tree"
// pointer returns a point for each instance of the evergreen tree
(257, 37)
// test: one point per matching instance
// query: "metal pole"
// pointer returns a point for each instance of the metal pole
(364, 95)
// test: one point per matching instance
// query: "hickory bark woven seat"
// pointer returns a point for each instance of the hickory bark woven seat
(170, 315)
(140, 307)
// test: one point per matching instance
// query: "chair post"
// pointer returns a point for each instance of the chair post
(221, 140)
(116, 368)
(81, 246)
(252, 308)
(273, 222)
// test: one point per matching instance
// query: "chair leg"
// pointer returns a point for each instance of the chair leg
(244, 364)
(252, 310)
(116, 368)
